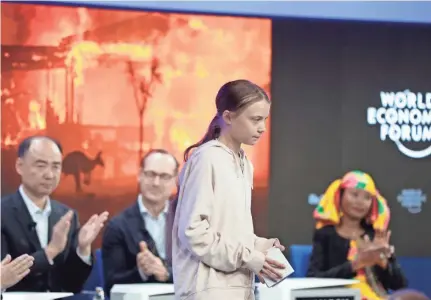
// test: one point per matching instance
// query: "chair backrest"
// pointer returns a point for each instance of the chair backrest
(96, 278)
(299, 259)
(99, 266)
(416, 269)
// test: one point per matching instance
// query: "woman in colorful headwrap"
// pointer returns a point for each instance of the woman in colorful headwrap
(351, 240)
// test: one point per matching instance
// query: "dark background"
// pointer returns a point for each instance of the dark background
(325, 75)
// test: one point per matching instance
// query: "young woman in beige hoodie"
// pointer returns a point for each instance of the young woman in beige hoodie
(214, 249)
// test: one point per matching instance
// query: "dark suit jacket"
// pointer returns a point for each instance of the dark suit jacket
(18, 236)
(120, 246)
(329, 259)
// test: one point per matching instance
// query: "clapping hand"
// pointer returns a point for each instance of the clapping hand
(159, 271)
(89, 231)
(382, 239)
(60, 233)
(12, 271)
(143, 257)
(370, 253)
(150, 264)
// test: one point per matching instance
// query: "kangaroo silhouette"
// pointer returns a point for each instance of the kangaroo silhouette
(76, 162)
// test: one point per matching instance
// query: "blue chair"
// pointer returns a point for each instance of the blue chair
(96, 279)
(299, 259)
(417, 270)
(99, 267)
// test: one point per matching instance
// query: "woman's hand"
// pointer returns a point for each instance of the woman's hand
(382, 239)
(271, 270)
(278, 245)
(370, 253)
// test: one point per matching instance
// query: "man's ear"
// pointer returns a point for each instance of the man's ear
(18, 165)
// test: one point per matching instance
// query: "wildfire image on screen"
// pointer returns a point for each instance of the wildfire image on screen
(112, 84)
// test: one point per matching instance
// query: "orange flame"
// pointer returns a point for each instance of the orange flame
(197, 54)
(36, 119)
(8, 141)
(84, 55)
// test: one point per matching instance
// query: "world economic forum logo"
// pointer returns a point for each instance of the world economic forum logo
(412, 200)
(405, 118)
(314, 199)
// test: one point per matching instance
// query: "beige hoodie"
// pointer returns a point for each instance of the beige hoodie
(214, 249)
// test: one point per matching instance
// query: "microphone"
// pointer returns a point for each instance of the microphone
(32, 226)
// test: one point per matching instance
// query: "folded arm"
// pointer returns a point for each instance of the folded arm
(217, 250)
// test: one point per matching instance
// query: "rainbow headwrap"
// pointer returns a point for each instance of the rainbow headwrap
(328, 213)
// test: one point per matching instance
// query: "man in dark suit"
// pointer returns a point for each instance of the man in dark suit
(136, 244)
(48, 230)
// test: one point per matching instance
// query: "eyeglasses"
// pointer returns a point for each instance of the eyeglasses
(152, 175)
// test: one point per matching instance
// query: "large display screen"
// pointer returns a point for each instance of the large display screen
(112, 84)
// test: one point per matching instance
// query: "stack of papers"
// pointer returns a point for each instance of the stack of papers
(277, 255)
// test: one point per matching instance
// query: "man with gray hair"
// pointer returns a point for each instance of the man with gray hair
(49, 231)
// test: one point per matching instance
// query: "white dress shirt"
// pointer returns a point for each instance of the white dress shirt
(41, 217)
(156, 227)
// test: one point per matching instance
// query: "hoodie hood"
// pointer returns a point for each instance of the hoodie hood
(238, 160)
(212, 143)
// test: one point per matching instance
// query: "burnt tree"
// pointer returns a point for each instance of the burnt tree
(142, 92)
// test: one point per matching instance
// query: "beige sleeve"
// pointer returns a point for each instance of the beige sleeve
(263, 244)
(194, 227)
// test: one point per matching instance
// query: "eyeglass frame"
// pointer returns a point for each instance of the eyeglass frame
(164, 177)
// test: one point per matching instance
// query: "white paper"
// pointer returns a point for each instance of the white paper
(34, 296)
(277, 255)
(144, 289)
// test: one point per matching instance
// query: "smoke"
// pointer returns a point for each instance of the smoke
(42, 25)
(15, 28)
